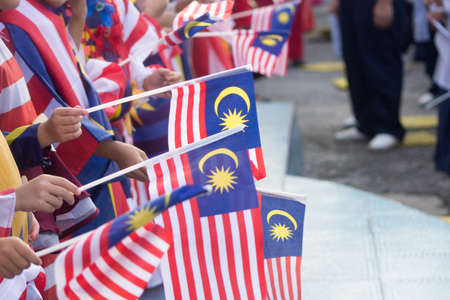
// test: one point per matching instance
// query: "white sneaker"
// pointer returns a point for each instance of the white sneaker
(382, 142)
(425, 98)
(349, 122)
(350, 134)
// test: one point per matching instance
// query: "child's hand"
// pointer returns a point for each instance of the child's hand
(160, 78)
(15, 256)
(125, 155)
(63, 125)
(45, 193)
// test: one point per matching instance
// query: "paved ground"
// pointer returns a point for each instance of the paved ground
(406, 174)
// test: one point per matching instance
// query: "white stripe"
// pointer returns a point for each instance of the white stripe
(235, 235)
(222, 242)
(223, 10)
(202, 10)
(178, 251)
(131, 20)
(77, 289)
(276, 279)
(95, 243)
(196, 112)
(99, 286)
(26, 71)
(268, 281)
(14, 96)
(165, 268)
(153, 239)
(58, 49)
(192, 241)
(293, 278)
(179, 170)
(209, 258)
(263, 60)
(184, 112)
(172, 119)
(166, 176)
(121, 10)
(118, 278)
(252, 156)
(52, 105)
(8, 207)
(77, 258)
(152, 182)
(284, 277)
(270, 66)
(251, 248)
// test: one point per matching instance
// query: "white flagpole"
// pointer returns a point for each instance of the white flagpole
(214, 33)
(165, 156)
(247, 13)
(170, 87)
(435, 102)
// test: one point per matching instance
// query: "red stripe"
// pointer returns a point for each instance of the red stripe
(10, 73)
(271, 277)
(280, 277)
(159, 179)
(190, 109)
(68, 263)
(18, 116)
(202, 112)
(39, 94)
(266, 64)
(200, 249)
(230, 257)
(104, 241)
(104, 279)
(244, 251)
(298, 275)
(172, 259)
(88, 288)
(70, 294)
(120, 199)
(173, 173)
(289, 276)
(259, 241)
(139, 30)
(86, 251)
(112, 263)
(218, 7)
(216, 256)
(179, 104)
(185, 252)
(5, 232)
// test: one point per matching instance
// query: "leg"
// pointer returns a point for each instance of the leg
(442, 154)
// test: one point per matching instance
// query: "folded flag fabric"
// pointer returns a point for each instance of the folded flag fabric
(202, 109)
(219, 10)
(117, 260)
(259, 49)
(282, 225)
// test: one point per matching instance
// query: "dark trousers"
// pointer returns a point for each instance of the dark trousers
(442, 154)
(373, 59)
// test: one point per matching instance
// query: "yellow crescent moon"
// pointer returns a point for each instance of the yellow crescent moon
(281, 213)
(194, 24)
(215, 152)
(230, 91)
(270, 39)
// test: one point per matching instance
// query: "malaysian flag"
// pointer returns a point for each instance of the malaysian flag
(215, 252)
(276, 17)
(282, 226)
(205, 108)
(259, 49)
(117, 260)
(220, 10)
(188, 29)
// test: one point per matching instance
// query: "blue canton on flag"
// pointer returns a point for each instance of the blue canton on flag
(282, 226)
(283, 17)
(226, 167)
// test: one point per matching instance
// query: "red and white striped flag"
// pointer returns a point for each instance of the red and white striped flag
(217, 10)
(191, 118)
(260, 49)
(212, 257)
(89, 269)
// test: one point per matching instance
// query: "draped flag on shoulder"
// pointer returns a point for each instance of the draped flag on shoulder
(201, 109)
(259, 49)
(117, 260)
(214, 244)
(219, 10)
(282, 225)
(276, 17)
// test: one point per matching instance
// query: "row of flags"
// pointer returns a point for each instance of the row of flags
(231, 243)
